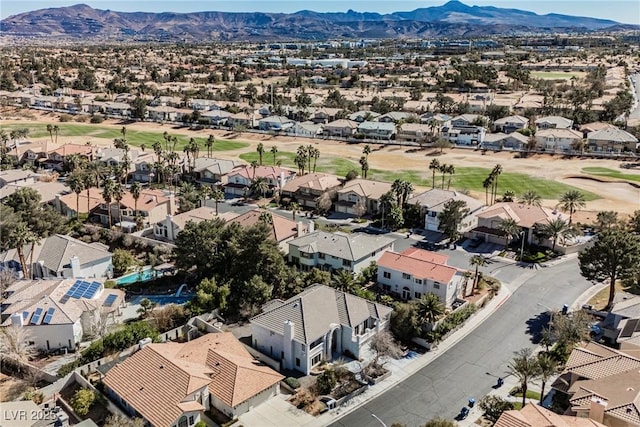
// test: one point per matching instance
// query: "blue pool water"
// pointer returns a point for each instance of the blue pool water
(143, 276)
(163, 299)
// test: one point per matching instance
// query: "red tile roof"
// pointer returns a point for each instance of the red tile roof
(417, 266)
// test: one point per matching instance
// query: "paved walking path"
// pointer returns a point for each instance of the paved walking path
(278, 412)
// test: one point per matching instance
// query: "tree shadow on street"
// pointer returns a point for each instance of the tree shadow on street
(535, 326)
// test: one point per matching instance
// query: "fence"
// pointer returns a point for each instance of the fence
(25, 369)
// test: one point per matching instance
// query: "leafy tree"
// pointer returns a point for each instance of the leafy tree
(451, 218)
(607, 219)
(525, 368)
(315, 275)
(138, 108)
(614, 256)
(146, 306)
(41, 220)
(634, 222)
(122, 260)
(14, 342)
(493, 406)
(351, 175)
(395, 217)
(567, 331)
(404, 322)
(188, 197)
(82, 401)
(196, 247)
(117, 420)
(571, 201)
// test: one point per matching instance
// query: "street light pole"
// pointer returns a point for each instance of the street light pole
(379, 420)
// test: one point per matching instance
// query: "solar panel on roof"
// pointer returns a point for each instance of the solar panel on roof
(91, 290)
(25, 315)
(629, 328)
(36, 316)
(110, 300)
(48, 316)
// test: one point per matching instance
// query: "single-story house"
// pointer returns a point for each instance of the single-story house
(316, 324)
(500, 141)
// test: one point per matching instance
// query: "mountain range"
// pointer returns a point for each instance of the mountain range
(453, 19)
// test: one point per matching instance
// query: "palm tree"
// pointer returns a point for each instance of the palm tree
(531, 198)
(434, 166)
(510, 228)
(217, 195)
(556, 228)
(364, 166)
(294, 209)
(385, 203)
(366, 151)
(429, 308)
(524, 367)
(254, 165)
(343, 280)
(56, 129)
(75, 181)
(443, 171)
(107, 195)
(118, 194)
(50, 130)
(274, 151)
(508, 196)
(260, 186)
(486, 184)
(571, 201)
(315, 153)
(402, 189)
(209, 144)
(450, 170)
(19, 237)
(497, 170)
(260, 151)
(547, 368)
(136, 190)
(476, 261)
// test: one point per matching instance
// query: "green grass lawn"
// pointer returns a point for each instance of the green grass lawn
(611, 173)
(134, 137)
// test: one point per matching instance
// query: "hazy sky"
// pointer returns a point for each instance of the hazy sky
(627, 11)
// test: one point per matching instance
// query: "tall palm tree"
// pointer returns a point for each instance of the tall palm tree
(364, 166)
(56, 129)
(496, 172)
(260, 151)
(295, 208)
(385, 203)
(443, 170)
(315, 153)
(531, 198)
(75, 181)
(19, 237)
(343, 280)
(434, 166)
(450, 171)
(209, 144)
(571, 201)
(136, 191)
(556, 228)
(510, 228)
(50, 130)
(429, 308)
(274, 151)
(217, 195)
(107, 195)
(254, 166)
(486, 184)
(547, 368)
(118, 194)
(402, 189)
(366, 151)
(524, 367)
(476, 261)
(260, 186)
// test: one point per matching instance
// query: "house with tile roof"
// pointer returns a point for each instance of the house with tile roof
(558, 139)
(432, 202)
(175, 384)
(61, 256)
(55, 158)
(533, 415)
(212, 171)
(59, 313)
(510, 124)
(528, 218)
(414, 272)
(601, 383)
(306, 189)
(320, 323)
(553, 122)
(361, 196)
(337, 251)
(169, 228)
(612, 139)
(240, 179)
(281, 229)
(377, 129)
(152, 206)
(622, 323)
(342, 128)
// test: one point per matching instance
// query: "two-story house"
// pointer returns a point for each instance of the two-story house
(414, 132)
(240, 179)
(152, 206)
(612, 139)
(558, 139)
(169, 228)
(377, 130)
(415, 272)
(317, 324)
(212, 171)
(553, 122)
(342, 128)
(306, 189)
(510, 124)
(275, 123)
(361, 196)
(56, 157)
(337, 251)
(433, 201)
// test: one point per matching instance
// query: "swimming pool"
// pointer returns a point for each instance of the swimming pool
(143, 276)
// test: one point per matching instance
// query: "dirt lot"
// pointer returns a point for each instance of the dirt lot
(618, 196)
(11, 388)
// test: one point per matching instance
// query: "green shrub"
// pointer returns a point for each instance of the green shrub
(110, 284)
(326, 382)
(292, 382)
(81, 401)
(122, 260)
(68, 368)
(96, 119)
(65, 118)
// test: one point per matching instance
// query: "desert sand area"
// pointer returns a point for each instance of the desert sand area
(615, 194)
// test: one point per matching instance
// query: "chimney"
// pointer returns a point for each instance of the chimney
(596, 409)
(311, 227)
(299, 229)
(58, 204)
(172, 204)
(168, 224)
(287, 345)
(75, 266)
(144, 342)
(282, 180)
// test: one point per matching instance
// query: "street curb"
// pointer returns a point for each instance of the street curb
(587, 295)
(472, 324)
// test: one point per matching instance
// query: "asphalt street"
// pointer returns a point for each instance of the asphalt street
(469, 369)
(635, 114)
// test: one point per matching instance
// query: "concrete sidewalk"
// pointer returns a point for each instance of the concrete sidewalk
(277, 412)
